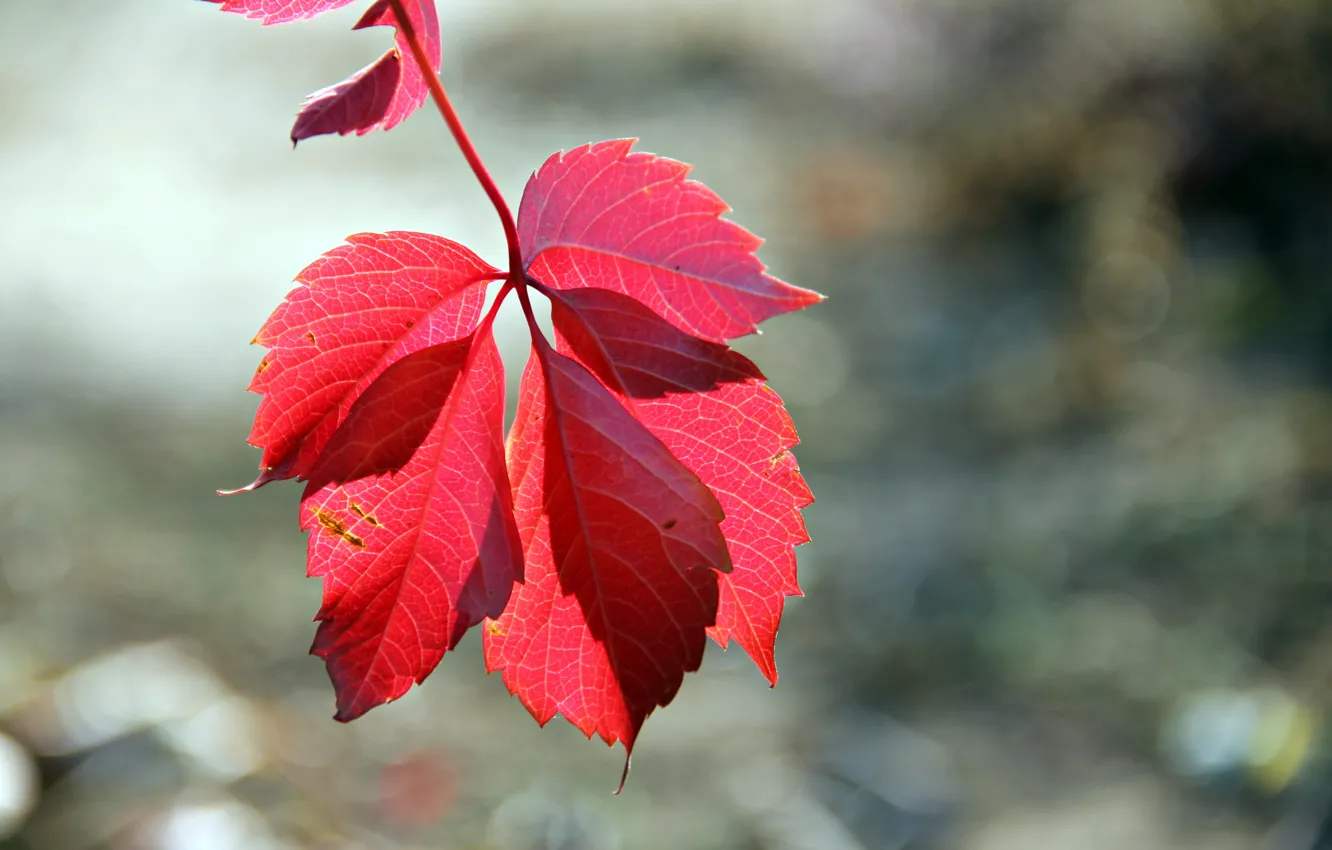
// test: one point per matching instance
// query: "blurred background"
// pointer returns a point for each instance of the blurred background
(1067, 413)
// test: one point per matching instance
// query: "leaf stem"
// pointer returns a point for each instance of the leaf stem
(538, 338)
(489, 318)
(460, 136)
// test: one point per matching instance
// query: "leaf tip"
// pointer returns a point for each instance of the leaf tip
(346, 714)
(347, 710)
(264, 477)
(624, 775)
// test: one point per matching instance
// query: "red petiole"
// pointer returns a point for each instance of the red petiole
(460, 136)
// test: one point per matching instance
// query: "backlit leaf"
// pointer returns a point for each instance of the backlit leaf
(356, 310)
(623, 549)
(711, 407)
(411, 521)
(601, 216)
(379, 96)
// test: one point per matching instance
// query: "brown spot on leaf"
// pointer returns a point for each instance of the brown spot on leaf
(669, 524)
(335, 527)
(360, 512)
(310, 336)
(495, 628)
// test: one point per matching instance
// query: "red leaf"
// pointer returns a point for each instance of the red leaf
(379, 96)
(379, 389)
(622, 551)
(412, 522)
(601, 216)
(383, 94)
(711, 408)
(280, 11)
(360, 103)
(358, 308)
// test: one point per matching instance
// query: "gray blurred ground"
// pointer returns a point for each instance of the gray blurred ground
(1066, 414)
